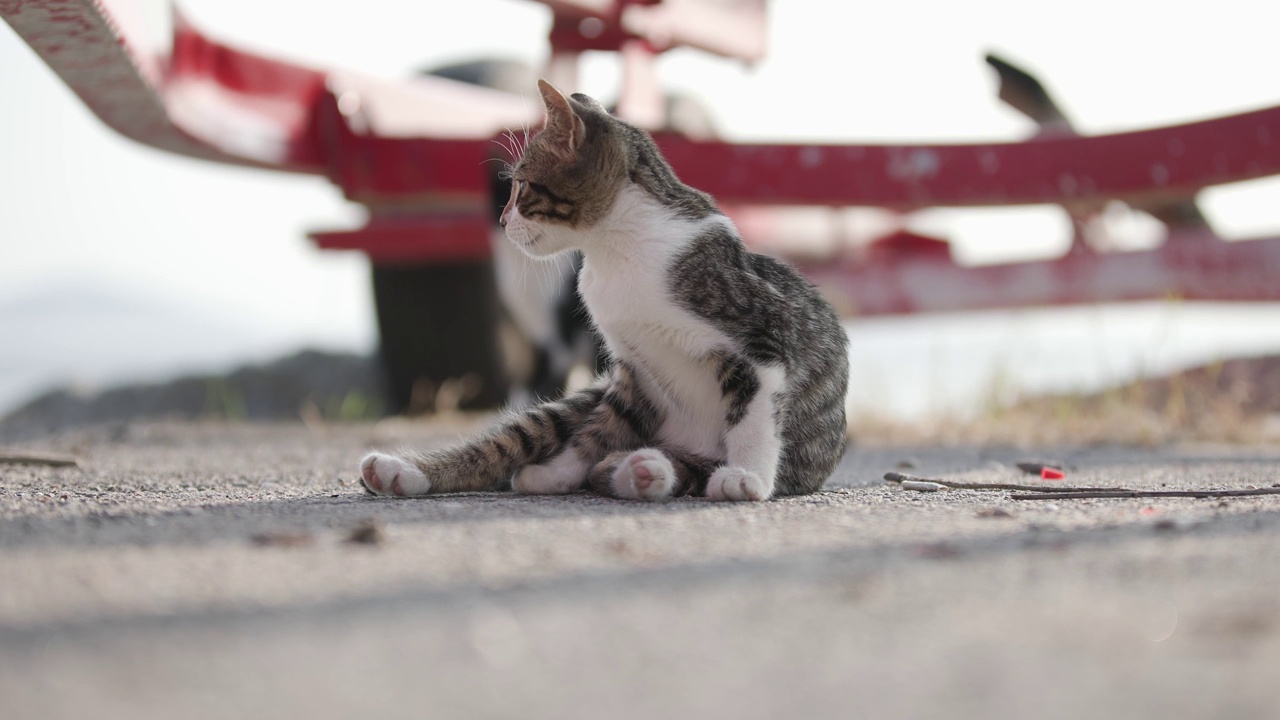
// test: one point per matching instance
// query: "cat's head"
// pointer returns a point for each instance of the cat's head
(568, 177)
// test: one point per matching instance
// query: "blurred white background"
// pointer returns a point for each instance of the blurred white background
(118, 262)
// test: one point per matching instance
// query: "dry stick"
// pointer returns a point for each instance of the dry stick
(50, 460)
(1075, 493)
(1146, 494)
(1058, 489)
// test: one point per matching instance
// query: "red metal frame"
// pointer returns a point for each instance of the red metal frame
(428, 197)
(1190, 265)
(277, 94)
(1169, 162)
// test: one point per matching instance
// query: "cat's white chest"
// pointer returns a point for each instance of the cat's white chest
(633, 308)
(670, 349)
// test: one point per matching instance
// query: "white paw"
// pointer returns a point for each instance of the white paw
(565, 473)
(732, 483)
(389, 475)
(644, 475)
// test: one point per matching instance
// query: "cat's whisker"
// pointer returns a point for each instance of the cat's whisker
(506, 142)
(550, 271)
(525, 144)
(514, 142)
(541, 275)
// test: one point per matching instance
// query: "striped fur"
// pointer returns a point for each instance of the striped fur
(729, 369)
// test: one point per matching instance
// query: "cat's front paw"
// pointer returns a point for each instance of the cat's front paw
(734, 483)
(644, 475)
(390, 475)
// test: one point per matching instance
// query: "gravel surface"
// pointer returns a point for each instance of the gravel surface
(237, 570)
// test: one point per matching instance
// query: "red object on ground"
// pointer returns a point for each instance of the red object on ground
(1049, 473)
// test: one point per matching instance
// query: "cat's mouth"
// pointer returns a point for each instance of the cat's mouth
(523, 235)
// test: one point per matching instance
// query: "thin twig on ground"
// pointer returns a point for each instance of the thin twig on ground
(1146, 494)
(37, 459)
(895, 477)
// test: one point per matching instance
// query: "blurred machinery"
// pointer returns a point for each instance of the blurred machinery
(415, 151)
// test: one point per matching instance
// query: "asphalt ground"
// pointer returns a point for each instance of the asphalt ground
(202, 570)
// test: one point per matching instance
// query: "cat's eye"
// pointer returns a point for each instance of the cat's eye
(521, 185)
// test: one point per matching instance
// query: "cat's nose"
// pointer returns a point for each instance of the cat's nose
(502, 219)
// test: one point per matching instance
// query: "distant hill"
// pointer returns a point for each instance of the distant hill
(1235, 401)
(78, 332)
(338, 386)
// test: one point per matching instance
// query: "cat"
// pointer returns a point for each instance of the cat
(728, 372)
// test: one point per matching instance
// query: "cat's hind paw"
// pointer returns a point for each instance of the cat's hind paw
(389, 475)
(733, 483)
(644, 475)
(562, 475)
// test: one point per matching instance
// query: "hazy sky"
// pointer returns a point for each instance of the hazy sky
(76, 201)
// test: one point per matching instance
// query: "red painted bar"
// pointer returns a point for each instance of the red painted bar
(398, 170)
(1167, 162)
(282, 94)
(1172, 161)
(415, 239)
(1188, 268)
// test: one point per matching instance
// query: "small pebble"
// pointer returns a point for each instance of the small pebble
(367, 533)
(283, 539)
(939, 551)
(1175, 523)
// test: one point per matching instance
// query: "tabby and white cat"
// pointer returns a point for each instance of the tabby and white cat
(729, 370)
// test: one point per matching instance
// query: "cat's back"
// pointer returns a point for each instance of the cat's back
(765, 303)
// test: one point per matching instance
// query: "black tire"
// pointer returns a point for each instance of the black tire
(438, 323)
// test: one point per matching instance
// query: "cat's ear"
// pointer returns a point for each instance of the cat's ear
(564, 125)
(588, 101)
